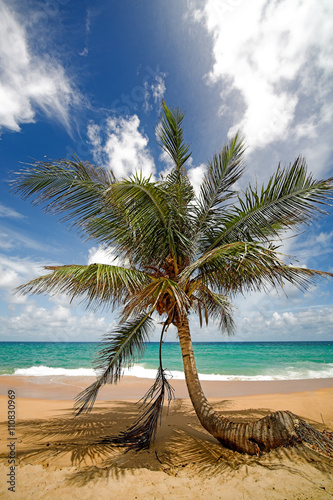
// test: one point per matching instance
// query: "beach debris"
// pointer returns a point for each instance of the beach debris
(321, 442)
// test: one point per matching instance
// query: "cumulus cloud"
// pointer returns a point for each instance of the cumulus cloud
(15, 271)
(57, 324)
(121, 146)
(307, 323)
(29, 320)
(158, 89)
(103, 255)
(30, 81)
(274, 61)
(196, 175)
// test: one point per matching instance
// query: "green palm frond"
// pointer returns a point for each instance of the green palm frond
(247, 266)
(136, 192)
(143, 205)
(170, 134)
(119, 350)
(176, 184)
(142, 215)
(289, 200)
(69, 187)
(215, 306)
(217, 185)
(99, 284)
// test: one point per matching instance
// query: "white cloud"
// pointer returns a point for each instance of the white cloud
(256, 322)
(56, 325)
(196, 175)
(324, 238)
(23, 267)
(8, 278)
(307, 323)
(156, 90)
(103, 255)
(121, 146)
(57, 320)
(10, 238)
(30, 81)
(84, 52)
(9, 212)
(277, 57)
(15, 271)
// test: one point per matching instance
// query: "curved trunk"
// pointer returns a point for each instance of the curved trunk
(279, 428)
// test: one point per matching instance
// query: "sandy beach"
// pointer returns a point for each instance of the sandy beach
(61, 457)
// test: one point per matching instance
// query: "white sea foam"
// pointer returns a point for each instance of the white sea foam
(140, 371)
(45, 371)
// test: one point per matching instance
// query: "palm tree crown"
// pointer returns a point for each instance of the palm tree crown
(183, 254)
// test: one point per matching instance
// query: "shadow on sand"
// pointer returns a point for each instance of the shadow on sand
(181, 444)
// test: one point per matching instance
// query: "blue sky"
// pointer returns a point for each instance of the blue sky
(88, 77)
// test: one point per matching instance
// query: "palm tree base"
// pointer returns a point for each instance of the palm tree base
(281, 428)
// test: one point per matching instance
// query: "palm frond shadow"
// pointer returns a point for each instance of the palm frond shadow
(203, 457)
(196, 450)
(78, 438)
(180, 444)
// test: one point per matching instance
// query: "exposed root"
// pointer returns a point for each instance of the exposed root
(279, 429)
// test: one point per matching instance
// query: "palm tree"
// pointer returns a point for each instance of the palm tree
(182, 255)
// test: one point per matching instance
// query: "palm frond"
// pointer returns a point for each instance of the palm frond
(170, 134)
(213, 305)
(99, 284)
(217, 185)
(176, 184)
(143, 195)
(159, 288)
(142, 433)
(247, 266)
(144, 211)
(290, 199)
(69, 187)
(119, 350)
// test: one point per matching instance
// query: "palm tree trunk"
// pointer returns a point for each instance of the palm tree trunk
(277, 429)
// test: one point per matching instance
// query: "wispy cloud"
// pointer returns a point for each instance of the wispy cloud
(9, 212)
(156, 89)
(31, 81)
(10, 238)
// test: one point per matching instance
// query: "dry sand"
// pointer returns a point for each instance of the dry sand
(60, 457)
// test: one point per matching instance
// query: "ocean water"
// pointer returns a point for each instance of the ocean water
(215, 360)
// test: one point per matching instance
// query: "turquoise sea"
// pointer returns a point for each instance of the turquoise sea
(215, 360)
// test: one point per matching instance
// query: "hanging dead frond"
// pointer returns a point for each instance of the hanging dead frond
(142, 433)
